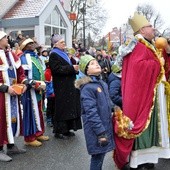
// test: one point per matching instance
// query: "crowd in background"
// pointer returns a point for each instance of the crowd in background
(122, 96)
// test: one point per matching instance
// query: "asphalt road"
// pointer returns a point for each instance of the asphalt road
(57, 154)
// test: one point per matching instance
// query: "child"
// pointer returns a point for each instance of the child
(96, 111)
(50, 95)
(114, 83)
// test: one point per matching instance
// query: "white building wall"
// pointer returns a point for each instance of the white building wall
(45, 14)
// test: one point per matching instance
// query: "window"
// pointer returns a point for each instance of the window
(54, 24)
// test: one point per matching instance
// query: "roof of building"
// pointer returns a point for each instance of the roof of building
(26, 9)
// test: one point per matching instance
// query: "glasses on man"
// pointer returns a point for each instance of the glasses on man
(147, 26)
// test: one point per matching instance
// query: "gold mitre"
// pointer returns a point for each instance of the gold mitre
(138, 21)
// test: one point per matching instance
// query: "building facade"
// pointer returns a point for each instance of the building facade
(36, 18)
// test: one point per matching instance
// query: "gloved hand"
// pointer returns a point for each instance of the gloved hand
(103, 140)
(29, 84)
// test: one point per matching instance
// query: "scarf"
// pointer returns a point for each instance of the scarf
(62, 54)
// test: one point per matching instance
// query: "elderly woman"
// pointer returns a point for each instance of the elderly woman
(67, 102)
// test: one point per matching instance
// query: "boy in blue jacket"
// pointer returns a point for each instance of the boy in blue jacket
(96, 111)
(114, 83)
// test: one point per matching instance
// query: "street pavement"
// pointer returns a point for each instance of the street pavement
(57, 154)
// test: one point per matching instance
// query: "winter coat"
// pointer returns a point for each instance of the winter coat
(67, 99)
(96, 113)
(114, 83)
(49, 83)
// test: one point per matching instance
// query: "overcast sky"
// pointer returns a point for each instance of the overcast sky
(120, 10)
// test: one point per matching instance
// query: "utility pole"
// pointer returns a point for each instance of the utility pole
(84, 33)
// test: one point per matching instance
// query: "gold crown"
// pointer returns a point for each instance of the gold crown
(138, 21)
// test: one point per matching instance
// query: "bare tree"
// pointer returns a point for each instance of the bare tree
(95, 17)
(153, 17)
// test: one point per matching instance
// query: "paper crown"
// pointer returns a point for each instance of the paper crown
(138, 21)
(84, 60)
(2, 34)
(71, 51)
(25, 42)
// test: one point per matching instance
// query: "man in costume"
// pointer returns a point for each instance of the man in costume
(32, 99)
(11, 73)
(142, 127)
(67, 99)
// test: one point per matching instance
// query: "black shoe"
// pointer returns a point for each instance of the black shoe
(49, 124)
(146, 166)
(126, 167)
(15, 150)
(60, 136)
(149, 165)
(69, 134)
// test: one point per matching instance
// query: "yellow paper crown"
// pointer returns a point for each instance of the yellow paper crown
(71, 51)
(138, 21)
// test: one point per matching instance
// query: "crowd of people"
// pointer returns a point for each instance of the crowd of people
(121, 99)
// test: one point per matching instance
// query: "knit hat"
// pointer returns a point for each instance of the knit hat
(115, 68)
(2, 34)
(84, 61)
(55, 38)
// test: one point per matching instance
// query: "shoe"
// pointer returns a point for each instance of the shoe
(149, 165)
(4, 157)
(43, 138)
(69, 134)
(60, 136)
(146, 166)
(34, 143)
(49, 124)
(126, 167)
(15, 150)
(134, 168)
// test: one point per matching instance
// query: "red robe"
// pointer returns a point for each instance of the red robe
(6, 135)
(167, 65)
(140, 73)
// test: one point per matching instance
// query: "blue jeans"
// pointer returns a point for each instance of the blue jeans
(97, 161)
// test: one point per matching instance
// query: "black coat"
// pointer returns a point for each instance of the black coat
(67, 100)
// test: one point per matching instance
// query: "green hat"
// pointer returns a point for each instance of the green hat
(115, 68)
(84, 60)
(71, 51)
